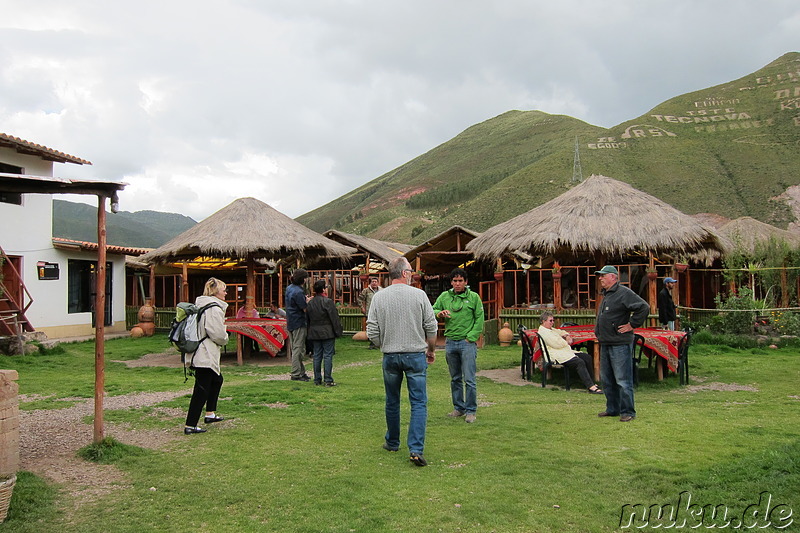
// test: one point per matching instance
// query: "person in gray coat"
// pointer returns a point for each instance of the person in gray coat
(324, 326)
(620, 312)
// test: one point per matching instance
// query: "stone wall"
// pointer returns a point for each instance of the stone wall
(9, 422)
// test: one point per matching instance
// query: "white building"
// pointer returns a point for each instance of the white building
(50, 287)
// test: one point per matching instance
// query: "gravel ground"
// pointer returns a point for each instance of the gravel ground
(50, 438)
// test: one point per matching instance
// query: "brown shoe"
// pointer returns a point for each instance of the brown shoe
(470, 418)
(625, 418)
(605, 413)
(455, 413)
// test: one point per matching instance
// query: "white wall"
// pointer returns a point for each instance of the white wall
(26, 230)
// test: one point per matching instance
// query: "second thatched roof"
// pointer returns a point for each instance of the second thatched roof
(745, 233)
(600, 215)
(247, 226)
(383, 250)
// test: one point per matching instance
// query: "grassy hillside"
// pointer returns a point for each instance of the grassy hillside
(142, 229)
(730, 149)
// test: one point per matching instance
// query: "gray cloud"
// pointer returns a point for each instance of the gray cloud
(197, 103)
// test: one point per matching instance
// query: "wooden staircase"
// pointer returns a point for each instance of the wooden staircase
(15, 300)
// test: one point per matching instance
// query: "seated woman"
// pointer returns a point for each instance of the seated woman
(558, 346)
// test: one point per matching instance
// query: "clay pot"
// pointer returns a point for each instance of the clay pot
(505, 335)
(147, 313)
(652, 276)
(681, 267)
(148, 328)
(498, 276)
(360, 336)
(556, 275)
(136, 332)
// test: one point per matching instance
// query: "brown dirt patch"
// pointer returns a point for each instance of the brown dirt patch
(512, 376)
(171, 358)
(716, 386)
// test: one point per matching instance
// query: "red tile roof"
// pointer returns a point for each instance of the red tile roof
(26, 147)
(67, 244)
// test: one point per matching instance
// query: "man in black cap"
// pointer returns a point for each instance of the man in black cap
(619, 313)
(666, 305)
(297, 323)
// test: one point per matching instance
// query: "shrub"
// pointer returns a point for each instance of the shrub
(738, 313)
(706, 336)
(785, 322)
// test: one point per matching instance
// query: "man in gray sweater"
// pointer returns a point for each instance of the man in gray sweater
(402, 324)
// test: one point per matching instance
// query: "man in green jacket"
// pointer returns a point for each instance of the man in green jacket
(462, 312)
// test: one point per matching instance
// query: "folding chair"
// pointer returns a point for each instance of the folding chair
(526, 363)
(683, 357)
(638, 342)
(548, 364)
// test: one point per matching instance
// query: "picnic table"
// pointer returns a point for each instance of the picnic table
(663, 344)
(269, 333)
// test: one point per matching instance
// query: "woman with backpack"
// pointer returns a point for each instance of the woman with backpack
(323, 328)
(205, 361)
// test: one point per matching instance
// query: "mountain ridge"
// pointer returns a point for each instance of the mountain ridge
(139, 229)
(735, 143)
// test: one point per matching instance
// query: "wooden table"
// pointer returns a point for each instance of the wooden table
(269, 333)
(659, 342)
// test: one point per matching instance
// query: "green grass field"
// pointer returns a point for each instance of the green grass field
(537, 460)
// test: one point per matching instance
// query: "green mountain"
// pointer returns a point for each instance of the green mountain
(142, 229)
(732, 150)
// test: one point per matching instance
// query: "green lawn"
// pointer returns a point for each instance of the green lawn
(537, 460)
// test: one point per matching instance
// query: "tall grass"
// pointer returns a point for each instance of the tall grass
(295, 457)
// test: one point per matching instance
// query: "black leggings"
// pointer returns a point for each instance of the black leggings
(207, 385)
(582, 362)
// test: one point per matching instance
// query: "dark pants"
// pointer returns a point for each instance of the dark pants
(581, 363)
(207, 385)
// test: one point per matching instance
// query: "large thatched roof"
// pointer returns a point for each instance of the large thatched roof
(745, 233)
(382, 250)
(247, 226)
(599, 216)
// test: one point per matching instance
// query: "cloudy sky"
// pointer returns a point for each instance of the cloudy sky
(296, 102)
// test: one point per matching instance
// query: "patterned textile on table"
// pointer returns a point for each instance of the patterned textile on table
(269, 333)
(663, 343)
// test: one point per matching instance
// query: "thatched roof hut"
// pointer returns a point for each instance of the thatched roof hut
(602, 217)
(247, 228)
(745, 233)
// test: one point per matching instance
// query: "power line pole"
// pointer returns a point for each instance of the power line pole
(577, 173)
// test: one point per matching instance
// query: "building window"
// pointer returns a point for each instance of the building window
(10, 197)
(81, 285)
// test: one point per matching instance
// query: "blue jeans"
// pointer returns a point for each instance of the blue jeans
(323, 350)
(462, 361)
(616, 372)
(415, 368)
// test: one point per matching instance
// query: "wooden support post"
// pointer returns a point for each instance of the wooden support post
(152, 286)
(99, 321)
(185, 282)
